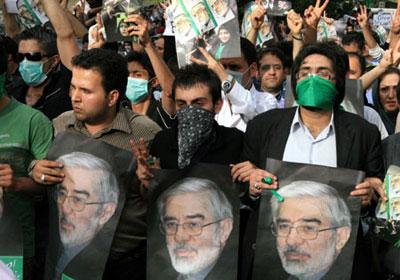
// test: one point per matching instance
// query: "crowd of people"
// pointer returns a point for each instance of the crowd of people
(333, 102)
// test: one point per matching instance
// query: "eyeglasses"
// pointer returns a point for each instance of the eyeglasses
(323, 73)
(306, 232)
(76, 203)
(190, 228)
(31, 56)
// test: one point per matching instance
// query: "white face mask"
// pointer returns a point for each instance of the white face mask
(239, 76)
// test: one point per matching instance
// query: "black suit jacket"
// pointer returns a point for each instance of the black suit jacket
(358, 144)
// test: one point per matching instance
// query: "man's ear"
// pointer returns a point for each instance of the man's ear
(108, 211)
(342, 236)
(113, 97)
(253, 70)
(225, 229)
(218, 106)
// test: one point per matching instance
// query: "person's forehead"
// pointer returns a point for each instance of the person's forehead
(182, 206)
(271, 59)
(391, 79)
(79, 179)
(88, 77)
(352, 47)
(296, 209)
(30, 45)
(194, 92)
(317, 61)
(135, 66)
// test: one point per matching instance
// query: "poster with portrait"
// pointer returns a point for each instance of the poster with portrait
(308, 229)
(221, 41)
(84, 209)
(30, 13)
(277, 7)
(11, 245)
(265, 32)
(193, 224)
(115, 12)
(390, 209)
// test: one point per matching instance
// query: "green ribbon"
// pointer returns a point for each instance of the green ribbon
(187, 14)
(210, 13)
(387, 203)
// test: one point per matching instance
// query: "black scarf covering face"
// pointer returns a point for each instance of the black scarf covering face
(195, 127)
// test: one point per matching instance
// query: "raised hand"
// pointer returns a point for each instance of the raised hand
(99, 39)
(139, 28)
(313, 14)
(295, 22)
(362, 17)
(257, 16)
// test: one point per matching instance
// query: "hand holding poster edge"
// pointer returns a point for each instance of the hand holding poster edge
(212, 64)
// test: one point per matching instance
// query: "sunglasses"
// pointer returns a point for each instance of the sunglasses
(31, 56)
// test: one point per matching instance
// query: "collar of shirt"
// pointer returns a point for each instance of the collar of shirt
(298, 124)
(120, 123)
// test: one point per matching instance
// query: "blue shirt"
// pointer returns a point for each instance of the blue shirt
(302, 147)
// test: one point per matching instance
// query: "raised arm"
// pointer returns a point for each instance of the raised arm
(295, 24)
(163, 74)
(10, 24)
(312, 15)
(256, 20)
(66, 40)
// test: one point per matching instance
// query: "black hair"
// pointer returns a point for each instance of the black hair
(248, 50)
(361, 61)
(3, 57)
(45, 36)
(274, 51)
(354, 37)
(11, 47)
(112, 67)
(143, 60)
(338, 58)
(195, 74)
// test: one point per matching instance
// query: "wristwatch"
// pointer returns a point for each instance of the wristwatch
(227, 84)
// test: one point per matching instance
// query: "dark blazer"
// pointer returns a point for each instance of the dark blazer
(358, 143)
(225, 150)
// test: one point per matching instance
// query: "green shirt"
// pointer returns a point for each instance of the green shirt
(25, 134)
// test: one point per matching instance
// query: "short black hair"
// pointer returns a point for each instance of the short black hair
(271, 51)
(354, 37)
(338, 58)
(361, 61)
(112, 67)
(45, 36)
(11, 47)
(195, 74)
(143, 60)
(3, 57)
(248, 50)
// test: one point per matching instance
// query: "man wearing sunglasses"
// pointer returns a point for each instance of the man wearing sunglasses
(196, 218)
(46, 79)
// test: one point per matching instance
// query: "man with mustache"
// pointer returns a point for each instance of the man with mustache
(86, 201)
(312, 225)
(197, 220)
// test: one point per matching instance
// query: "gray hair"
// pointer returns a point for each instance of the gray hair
(106, 182)
(219, 205)
(335, 207)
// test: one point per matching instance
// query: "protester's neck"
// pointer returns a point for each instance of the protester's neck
(273, 91)
(142, 107)
(4, 102)
(102, 124)
(315, 121)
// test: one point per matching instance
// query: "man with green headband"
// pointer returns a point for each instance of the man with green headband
(317, 131)
(25, 134)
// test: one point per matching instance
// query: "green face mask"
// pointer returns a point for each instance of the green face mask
(317, 92)
(2, 85)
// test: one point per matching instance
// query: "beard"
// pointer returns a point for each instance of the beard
(74, 236)
(199, 259)
(318, 260)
